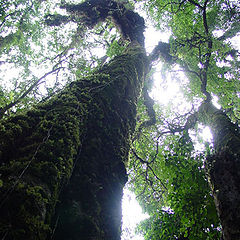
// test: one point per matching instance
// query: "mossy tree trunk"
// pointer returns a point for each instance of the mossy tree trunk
(73, 149)
(223, 169)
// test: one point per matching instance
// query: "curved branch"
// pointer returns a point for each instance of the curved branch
(19, 99)
(91, 12)
(196, 4)
(148, 102)
(162, 50)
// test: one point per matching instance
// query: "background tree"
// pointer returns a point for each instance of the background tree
(198, 47)
(43, 58)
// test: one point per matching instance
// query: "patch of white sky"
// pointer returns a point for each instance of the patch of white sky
(132, 215)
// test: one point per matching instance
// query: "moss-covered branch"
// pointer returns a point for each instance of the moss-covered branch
(91, 12)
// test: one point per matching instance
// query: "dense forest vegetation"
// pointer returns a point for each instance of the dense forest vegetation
(78, 121)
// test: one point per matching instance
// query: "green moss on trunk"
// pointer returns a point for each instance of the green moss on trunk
(78, 141)
(223, 169)
(95, 189)
(37, 153)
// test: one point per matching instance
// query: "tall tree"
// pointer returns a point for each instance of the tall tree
(74, 147)
(63, 162)
(223, 169)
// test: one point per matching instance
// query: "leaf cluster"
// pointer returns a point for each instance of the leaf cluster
(171, 186)
(200, 42)
(37, 60)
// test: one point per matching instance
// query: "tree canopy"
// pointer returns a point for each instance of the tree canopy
(45, 45)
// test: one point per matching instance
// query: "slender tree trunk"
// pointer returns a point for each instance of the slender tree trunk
(71, 149)
(223, 169)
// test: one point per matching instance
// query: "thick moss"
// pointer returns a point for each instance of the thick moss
(99, 174)
(223, 170)
(77, 141)
(38, 149)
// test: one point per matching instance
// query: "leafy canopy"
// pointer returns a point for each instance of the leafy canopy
(166, 172)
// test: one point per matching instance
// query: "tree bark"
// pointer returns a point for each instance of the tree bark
(223, 169)
(73, 149)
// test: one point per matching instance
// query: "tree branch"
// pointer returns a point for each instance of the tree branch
(196, 4)
(162, 50)
(148, 165)
(234, 29)
(56, 19)
(19, 99)
(91, 12)
(148, 102)
(208, 55)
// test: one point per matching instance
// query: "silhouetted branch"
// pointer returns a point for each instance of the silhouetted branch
(91, 12)
(56, 19)
(23, 95)
(162, 50)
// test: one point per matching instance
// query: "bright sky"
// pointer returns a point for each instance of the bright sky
(132, 215)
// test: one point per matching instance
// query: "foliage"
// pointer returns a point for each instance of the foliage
(200, 43)
(168, 178)
(37, 60)
(166, 172)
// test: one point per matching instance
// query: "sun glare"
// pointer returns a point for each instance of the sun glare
(132, 215)
(207, 135)
(164, 90)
